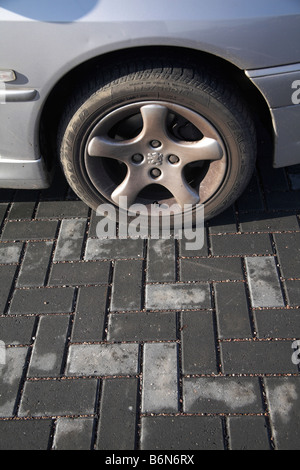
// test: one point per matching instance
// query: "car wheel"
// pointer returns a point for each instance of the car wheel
(165, 133)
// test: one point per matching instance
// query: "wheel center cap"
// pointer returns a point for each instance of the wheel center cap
(155, 158)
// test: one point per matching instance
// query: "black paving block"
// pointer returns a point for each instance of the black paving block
(7, 277)
(241, 244)
(21, 210)
(42, 300)
(49, 346)
(288, 252)
(30, 230)
(257, 357)
(232, 310)
(248, 433)
(270, 222)
(25, 434)
(79, 273)
(35, 264)
(127, 285)
(142, 326)
(61, 209)
(3, 210)
(58, 398)
(181, 433)
(199, 354)
(16, 330)
(293, 292)
(117, 414)
(211, 269)
(90, 314)
(277, 323)
(193, 247)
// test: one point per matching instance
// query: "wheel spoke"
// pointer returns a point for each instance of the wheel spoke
(181, 190)
(109, 148)
(130, 187)
(154, 120)
(204, 149)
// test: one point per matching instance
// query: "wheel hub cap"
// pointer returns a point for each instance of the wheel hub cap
(142, 139)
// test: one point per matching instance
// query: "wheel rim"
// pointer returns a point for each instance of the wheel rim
(155, 152)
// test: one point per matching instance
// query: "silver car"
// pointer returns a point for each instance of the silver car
(157, 101)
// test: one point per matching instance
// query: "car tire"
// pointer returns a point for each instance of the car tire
(165, 131)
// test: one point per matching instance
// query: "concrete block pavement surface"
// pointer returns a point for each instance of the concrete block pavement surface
(132, 344)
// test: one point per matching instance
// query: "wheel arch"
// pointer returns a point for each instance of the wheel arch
(62, 91)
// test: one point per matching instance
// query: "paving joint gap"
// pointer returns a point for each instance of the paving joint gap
(219, 365)
(144, 274)
(37, 202)
(108, 301)
(248, 300)
(96, 421)
(25, 369)
(67, 342)
(138, 427)
(5, 218)
(51, 260)
(13, 286)
(226, 435)
(179, 360)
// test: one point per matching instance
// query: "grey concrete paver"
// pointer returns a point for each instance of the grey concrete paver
(102, 359)
(177, 296)
(283, 397)
(222, 395)
(69, 241)
(160, 393)
(73, 434)
(264, 283)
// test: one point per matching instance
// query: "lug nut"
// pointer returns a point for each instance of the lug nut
(173, 159)
(155, 173)
(155, 144)
(137, 158)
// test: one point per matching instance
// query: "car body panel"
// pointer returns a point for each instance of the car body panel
(43, 41)
(24, 174)
(281, 89)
